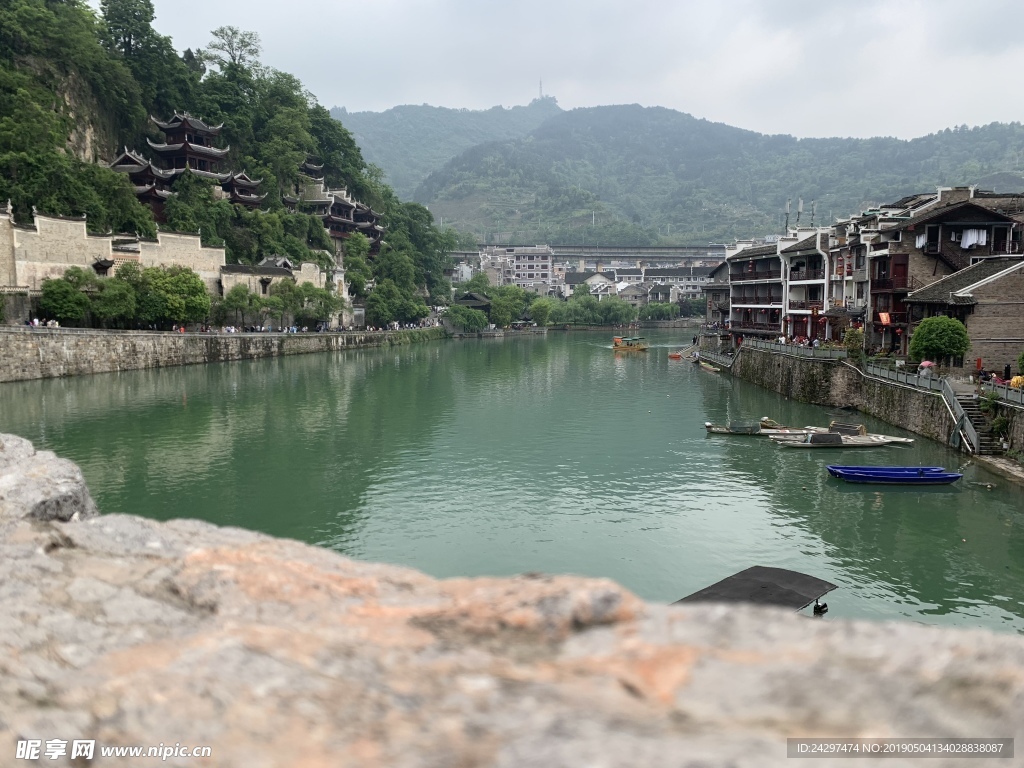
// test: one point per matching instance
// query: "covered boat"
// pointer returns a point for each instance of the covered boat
(761, 585)
(764, 427)
(894, 475)
(629, 344)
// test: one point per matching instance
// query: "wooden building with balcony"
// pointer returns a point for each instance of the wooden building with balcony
(756, 291)
(926, 247)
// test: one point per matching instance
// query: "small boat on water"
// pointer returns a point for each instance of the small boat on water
(629, 344)
(762, 428)
(829, 440)
(675, 355)
(761, 585)
(708, 367)
(894, 475)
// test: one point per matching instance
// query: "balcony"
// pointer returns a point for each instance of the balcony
(739, 325)
(757, 301)
(806, 274)
(747, 277)
(895, 318)
(901, 283)
(806, 305)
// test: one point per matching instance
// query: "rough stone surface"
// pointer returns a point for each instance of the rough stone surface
(274, 653)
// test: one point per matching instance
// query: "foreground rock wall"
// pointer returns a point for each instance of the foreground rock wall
(274, 653)
(43, 353)
(833, 383)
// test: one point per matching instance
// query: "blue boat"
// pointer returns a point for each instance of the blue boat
(894, 475)
(893, 470)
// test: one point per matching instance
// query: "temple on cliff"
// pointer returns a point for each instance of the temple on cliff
(341, 214)
(188, 147)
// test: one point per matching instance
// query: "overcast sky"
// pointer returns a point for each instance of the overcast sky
(807, 68)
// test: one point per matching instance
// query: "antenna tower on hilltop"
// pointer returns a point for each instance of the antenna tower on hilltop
(542, 88)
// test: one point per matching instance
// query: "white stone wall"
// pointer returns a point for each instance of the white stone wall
(184, 251)
(7, 270)
(53, 245)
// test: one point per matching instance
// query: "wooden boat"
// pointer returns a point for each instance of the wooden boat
(860, 429)
(675, 355)
(629, 344)
(891, 470)
(894, 475)
(830, 440)
(766, 586)
(756, 428)
(708, 367)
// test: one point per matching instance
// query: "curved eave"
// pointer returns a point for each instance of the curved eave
(199, 149)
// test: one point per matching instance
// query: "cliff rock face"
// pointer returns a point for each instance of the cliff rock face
(273, 653)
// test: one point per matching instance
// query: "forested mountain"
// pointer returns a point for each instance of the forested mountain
(409, 142)
(634, 175)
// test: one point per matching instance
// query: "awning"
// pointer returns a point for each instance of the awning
(764, 586)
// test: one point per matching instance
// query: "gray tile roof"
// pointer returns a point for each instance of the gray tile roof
(804, 245)
(944, 291)
(757, 250)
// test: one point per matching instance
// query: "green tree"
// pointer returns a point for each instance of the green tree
(62, 301)
(384, 304)
(172, 294)
(540, 310)
(238, 301)
(233, 47)
(615, 311)
(114, 302)
(469, 320)
(939, 337)
(478, 283)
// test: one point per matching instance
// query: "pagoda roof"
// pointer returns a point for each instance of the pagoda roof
(185, 120)
(199, 149)
(244, 180)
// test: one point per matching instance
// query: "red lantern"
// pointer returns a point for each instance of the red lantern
(899, 331)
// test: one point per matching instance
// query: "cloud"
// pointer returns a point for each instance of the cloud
(776, 66)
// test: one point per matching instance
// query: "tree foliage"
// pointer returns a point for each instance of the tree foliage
(469, 320)
(938, 337)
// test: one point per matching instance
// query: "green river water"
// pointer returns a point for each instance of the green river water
(496, 457)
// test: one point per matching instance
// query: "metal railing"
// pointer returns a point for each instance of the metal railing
(962, 419)
(797, 351)
(932, 384)
(901, 376)
(725, 361)
(1004, 391)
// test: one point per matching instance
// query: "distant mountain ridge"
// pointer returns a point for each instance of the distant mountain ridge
(635, 175)
(409, 142)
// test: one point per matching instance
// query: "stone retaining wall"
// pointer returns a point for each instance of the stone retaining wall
(129, 631)
(43, 353)
(837, 384)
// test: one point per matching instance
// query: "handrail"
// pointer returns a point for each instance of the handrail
(963, 421)
(1007, 393)
(792, 349)
(722, 360)
(940, 386)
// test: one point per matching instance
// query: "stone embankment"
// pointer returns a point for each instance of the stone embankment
(837, 384)
(44, 353)
(273, 653)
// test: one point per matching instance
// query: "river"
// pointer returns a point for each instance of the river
(496, 457)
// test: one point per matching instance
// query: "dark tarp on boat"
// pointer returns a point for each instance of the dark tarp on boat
(764, 586)
(745, 427)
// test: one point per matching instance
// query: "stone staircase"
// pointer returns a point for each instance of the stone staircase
(990, 445)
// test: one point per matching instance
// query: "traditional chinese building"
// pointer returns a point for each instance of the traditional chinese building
(188, 147)
(341, 214)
